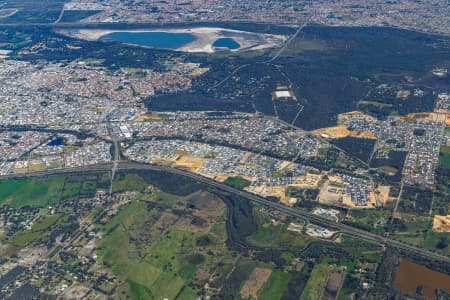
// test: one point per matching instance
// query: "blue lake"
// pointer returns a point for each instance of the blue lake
(226, 43)
(164, 40)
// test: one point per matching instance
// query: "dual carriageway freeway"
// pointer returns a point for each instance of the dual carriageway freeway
(126, 165)
(362, 234)
(129, 166)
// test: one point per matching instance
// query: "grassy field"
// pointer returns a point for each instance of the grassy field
(32, 192)
(9, 187)
(117, 251)
(125, 216)
(316, 283)
(235, 281)
(447, 131)
(412, 231)
(71, 189)
(303, 44)
(187, 294)
(358, 248)
(370, 219)
(275, 287)
(156, 275)
(444, 157)
(37, 231)
(278, 237)
(88, 188)
(129, 182)
(237, 182)
(433, 241)
(152, 251)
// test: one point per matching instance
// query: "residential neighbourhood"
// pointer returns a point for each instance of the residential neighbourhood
(409, 14)
(224, 149)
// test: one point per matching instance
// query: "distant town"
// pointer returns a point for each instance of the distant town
(429, 16)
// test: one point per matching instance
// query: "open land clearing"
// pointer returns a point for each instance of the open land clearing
(441, 223)
(341, 131)
(204, 37)
(333, 286)
(334, 192)
(308, 181)
(437, 116)
(257, 279)
(191, 163)
(382, 196)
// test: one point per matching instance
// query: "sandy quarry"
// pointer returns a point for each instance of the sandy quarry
(205, 37)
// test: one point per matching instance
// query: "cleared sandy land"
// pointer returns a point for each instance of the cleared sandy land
(221, 177)
(441, 223)
(205, 37)
(421, 116)
(403, 94)
(341, 131)
(382, 195)
(207, 210)
(443, 114)
(274, 191)
(354, 113)
(255, 282)
(340, 198)
(190, 162)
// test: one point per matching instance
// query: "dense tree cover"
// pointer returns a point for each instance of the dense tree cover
(297, 283)
(77, 15)
(394, 161)
(176, 184)
(416, 200)
(33, 11)
(323, 80)
(357, 147)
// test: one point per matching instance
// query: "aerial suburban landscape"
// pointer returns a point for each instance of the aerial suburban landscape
(212, 149)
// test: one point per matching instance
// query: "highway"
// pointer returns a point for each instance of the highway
(359, 233)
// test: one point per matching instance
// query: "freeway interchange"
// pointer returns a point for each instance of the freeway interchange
(358, 233)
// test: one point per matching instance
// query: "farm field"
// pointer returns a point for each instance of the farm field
(32, 192)
(157, 240)
(411, 277)
(276, 235)
(316, 283)
(275, 286)
(171, 251)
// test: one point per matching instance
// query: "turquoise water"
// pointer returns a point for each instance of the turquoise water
(226, 43)
(164, 40)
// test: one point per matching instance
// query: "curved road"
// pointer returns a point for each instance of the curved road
(362, 234)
